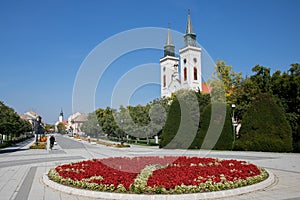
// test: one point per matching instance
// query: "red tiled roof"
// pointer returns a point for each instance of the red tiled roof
(205, 88)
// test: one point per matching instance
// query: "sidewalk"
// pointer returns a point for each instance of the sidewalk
(21, 171)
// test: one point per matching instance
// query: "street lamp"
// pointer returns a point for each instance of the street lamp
(233, 123)
(98, 131)
(233, 107)
(37, 127)
(122, 139)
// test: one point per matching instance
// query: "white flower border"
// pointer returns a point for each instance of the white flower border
(140, 183)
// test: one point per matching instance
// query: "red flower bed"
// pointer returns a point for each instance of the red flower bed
(158, 174)
(113, 170)
(188, 172)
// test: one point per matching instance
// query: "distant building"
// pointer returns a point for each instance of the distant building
(29, 116)
(61, 116)
(75, 122)
(61, 120)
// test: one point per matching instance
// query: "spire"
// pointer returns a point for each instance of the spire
(169, 38)
(190, 35)
(169, 48)
(189, 27)
(61, 112)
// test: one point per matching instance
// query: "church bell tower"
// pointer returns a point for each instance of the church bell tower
(61, 116)
(190, 59)
(169, 68)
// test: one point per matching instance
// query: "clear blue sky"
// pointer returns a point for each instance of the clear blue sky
(43, 43)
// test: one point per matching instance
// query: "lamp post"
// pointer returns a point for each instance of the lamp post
(37, 127)
(98, 131)
(233, 123)
(122, 139)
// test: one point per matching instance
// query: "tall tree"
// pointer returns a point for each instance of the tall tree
(92, 127)
(61, 127)
(11, 125)
(106, 120)
(224, 83)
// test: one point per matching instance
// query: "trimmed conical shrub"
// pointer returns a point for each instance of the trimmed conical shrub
(182, 122)
(216, 131)
(264, 127)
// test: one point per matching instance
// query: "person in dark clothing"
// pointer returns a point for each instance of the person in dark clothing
(52, 140)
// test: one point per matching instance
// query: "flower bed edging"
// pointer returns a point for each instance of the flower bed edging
(158, 175)
(207, 195)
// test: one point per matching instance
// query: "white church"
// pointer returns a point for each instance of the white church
(190, 63)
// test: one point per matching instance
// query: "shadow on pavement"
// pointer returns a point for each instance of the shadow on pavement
(11, 150)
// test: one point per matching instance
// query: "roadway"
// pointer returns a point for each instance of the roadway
(21, 169)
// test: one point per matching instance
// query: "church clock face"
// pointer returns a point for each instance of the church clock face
(195, 60)
(184, 61)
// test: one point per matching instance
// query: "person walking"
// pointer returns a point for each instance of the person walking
(52, 140)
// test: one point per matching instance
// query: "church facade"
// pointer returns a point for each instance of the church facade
(190, 64)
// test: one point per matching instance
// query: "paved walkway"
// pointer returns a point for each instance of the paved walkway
(21, 169)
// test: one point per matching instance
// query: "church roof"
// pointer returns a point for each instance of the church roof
(169, 38)
(61, 113)
(205, 88)
(29, 115)
(80, 118)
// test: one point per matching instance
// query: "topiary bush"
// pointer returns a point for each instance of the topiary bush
(264, 127)
(216, 130)
(182, 121)
(178, 132)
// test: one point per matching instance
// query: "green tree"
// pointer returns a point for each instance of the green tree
(264, 127)
(61, 127)
(11, 125)
(262, 78)
(106, 120)
(286, 87)
(49, 127)
(91, 127)
(224, 83)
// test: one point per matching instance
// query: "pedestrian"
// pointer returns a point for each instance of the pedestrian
(52, 140)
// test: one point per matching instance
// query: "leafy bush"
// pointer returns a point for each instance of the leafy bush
(264, 127)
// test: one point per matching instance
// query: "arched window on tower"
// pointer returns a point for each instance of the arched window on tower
(185, 74)
(164, 80)
(195, 74)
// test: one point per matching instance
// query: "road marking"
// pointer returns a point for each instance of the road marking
(37, 160)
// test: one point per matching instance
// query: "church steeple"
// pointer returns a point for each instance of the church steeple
(61, 116)
(190, 35)
(61, 112)
(169, 48)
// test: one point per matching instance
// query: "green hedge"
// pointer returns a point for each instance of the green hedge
(171, 128)
(220, 135)
(182, 122)
(216, 130)
(264, 127)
